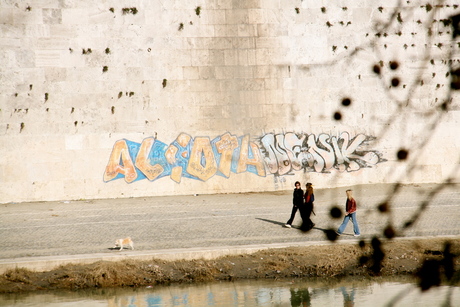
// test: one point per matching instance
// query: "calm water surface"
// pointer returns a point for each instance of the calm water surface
(249, 293)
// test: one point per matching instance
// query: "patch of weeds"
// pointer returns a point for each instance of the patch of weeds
(18, 275)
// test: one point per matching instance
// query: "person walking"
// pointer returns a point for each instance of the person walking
(307, 209)
(297, 202)
(350, 208)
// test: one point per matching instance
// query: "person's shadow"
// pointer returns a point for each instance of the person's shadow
(282, 224)
(271, 221)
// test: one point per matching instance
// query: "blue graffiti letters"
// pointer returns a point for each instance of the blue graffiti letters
(200, 158)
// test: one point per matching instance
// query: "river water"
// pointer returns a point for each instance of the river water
(350, 292)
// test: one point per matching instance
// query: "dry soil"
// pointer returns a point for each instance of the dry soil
(427, 259)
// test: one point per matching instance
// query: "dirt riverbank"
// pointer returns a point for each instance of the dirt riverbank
(398, 257)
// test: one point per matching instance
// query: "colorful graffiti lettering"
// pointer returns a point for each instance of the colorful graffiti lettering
(201, 158)
(198, 158)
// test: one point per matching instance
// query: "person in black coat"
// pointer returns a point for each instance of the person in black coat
(297, 202)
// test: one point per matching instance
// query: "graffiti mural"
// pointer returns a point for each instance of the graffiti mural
(290, 152)
(201, 158)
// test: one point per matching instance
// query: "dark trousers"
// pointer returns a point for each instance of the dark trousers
(294, 211)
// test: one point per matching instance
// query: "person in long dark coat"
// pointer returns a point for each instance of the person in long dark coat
(308, 208)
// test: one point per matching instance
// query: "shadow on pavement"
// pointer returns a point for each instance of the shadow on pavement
(282, 224)
(271, 221)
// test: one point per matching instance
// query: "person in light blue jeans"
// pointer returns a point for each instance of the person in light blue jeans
(350, 208)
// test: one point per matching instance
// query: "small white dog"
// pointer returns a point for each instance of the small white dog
(125, 241)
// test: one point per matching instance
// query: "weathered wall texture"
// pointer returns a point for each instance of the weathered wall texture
(105, 99)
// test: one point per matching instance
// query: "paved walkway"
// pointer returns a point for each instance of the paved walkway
(42, 235)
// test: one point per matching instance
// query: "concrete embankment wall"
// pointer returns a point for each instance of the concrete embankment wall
(108, 99)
